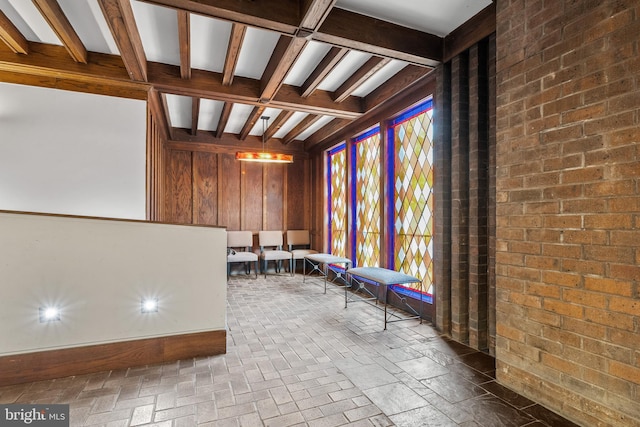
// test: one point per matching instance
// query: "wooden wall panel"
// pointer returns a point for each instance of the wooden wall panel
(51, 364)
(316, 195)
(251, 196)
(205, 188)
(273, 197)
(229, 192)
(179, 178)
(155, 169)
(298, 179)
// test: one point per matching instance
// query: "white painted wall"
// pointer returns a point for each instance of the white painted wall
(98, 271)
(71, 153)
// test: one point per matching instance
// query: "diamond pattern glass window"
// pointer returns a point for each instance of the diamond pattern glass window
(367, 194)
(412, 175)
(337, 177)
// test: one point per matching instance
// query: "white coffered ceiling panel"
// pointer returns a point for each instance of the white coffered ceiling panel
(26, 17)
(256, 51)
(432, 16)
(209, 40)
(313, 128)
(306, 63)
(379, 78)
(349, 64)
(290, 124)
(85, 17)
(179, 108)
(209, 114)
(158, 28)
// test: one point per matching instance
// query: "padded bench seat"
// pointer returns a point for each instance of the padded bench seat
(322, 264)
(383, 278)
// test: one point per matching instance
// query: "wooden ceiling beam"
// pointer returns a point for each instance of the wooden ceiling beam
(208, 84)
(233, 52)
(277, 123)
(339, 27)
(195, 113)
(251, 121)
(224, 119)
(184, 36)
(304, 124)
(158, 111)
(284, 56)
(328, 63)
(228, 143)
(314, 12)
(119, 17)
(325, 132)
(101, 72)
(11, 36)
(165, 108)
(276, 15)
(53, 14)
(381, 38)
(399, 82)
(368, 69)
(127, 90)
(288, 49)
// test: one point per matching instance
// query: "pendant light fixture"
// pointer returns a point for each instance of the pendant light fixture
(264, 156)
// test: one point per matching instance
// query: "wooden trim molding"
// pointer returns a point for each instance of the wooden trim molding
(51, 364)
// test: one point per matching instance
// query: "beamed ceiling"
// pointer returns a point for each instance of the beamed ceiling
(212, 68)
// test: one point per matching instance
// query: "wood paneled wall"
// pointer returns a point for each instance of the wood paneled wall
(155, 166)
(216, 189)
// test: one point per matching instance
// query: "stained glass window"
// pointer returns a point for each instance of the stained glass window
(367, 198)
(337, 168)
(412, 175)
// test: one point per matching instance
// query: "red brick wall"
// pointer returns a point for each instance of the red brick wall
(568, 206)
(464, 135)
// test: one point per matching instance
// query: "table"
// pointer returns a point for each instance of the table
(326, 261)
(383, 278)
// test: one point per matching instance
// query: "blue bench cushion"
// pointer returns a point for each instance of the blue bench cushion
(383, 276)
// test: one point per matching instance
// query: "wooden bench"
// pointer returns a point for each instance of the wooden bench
(383, 278)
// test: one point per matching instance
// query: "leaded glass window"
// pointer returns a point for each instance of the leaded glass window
(337, 166)
(367, 198)
(412, 175)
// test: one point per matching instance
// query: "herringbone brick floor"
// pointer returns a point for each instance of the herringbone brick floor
(297, 357)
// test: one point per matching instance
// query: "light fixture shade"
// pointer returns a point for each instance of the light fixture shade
(264, 157)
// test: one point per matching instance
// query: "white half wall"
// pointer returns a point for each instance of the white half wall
(71, 153)
(98, 271)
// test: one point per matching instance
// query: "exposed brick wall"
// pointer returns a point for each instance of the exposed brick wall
(568, 206)
(464, 201)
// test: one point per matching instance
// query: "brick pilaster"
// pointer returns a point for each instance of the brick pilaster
(442, 190)
(460, 198)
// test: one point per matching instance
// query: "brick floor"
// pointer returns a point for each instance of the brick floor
(297, 357)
